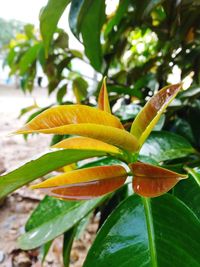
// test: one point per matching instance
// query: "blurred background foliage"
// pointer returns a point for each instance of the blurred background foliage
(139, 46)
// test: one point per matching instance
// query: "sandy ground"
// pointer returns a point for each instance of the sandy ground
(18, 206)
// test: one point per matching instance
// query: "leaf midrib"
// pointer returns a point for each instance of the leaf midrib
(150, 230)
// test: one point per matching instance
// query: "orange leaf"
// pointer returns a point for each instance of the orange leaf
(150, 114)
(103, 100)
(111, 135)
(84, 175)
(153, 181)
(69, 114)
(86, 190)
(86, 143)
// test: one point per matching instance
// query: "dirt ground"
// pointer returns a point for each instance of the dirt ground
(19, 205)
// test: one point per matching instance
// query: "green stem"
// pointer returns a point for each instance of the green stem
(150, 229)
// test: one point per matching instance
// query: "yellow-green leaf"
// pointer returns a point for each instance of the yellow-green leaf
(86, 143)
(103, 100)
(69, 114)
(150, 114)
(153, 181)
(111, 135)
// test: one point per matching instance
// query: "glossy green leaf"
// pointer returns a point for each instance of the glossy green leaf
(183, 128)
(38, 167)
(189, 191)
(152, 111)
(49, 18)
(136, 234)
(161, 146)
(47, 209)
(87, 17)
(58, 224)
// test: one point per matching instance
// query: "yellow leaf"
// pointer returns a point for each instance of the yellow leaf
(69, 114)
(84, 176)
(111, 135)
(86, 143)
(103, 100)
(150, 114)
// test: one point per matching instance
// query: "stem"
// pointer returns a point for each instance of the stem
(150, 230)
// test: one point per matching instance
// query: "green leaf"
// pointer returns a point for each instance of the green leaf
(58, 224)
(79, 87)
(183, 128)
(47, 209)
(101, 162)
(87, 17)
(44, 250)
(82, 226)
(49, 18)
(158, 232)
(67, 245)
(28, 58)
(41, 166)
(61, 93)
(189, 190)
(161, 146)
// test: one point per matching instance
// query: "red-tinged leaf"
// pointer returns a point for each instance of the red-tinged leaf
(153, 181)
(84, 176)
(103, 100)
(150, 114)
(86, 191)
(69, 114)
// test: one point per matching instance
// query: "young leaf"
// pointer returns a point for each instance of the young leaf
(38, 167)
(49, 18)
(158, 232)
(69, 114)
(83, 176)
(88, 190)
(103, 100)
(153, 181)
(152, 111)
(111, 135)
(86, 143)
